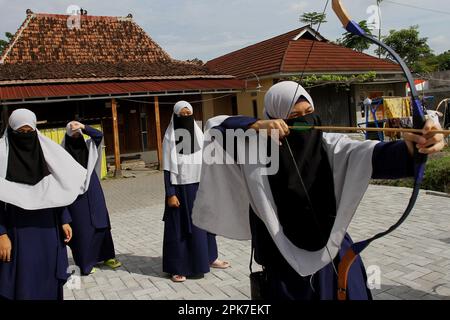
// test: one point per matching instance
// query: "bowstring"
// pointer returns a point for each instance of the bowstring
(308, 199)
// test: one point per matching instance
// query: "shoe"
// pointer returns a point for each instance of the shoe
(94, 270)
(113, 263)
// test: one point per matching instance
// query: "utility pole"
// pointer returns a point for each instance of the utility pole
(379, 29)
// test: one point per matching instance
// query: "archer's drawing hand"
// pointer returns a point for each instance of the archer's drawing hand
(272, 125)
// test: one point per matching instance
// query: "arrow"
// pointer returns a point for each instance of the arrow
(301, 127)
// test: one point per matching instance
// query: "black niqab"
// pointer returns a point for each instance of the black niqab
(306, 227)
(186, 123)
(26, 161)
(77, 148)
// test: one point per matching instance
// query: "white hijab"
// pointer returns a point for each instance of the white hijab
(282, 97)
(60, 188)
(95, 155)
(226, 191)
(183, 168)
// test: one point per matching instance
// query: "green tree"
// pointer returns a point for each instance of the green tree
(408, 44)
(4, 43)
(443, 61)
(352, 41)
(313, 18)
(433, 63)
(196, 61)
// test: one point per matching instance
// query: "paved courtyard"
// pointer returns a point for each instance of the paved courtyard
(413, 262)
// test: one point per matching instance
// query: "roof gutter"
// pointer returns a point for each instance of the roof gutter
(293, 74)
(93, 79)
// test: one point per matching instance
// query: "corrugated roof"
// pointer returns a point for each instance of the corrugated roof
(100, 71)
(16, 92)
(287, 54)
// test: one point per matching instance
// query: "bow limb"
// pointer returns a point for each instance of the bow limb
(354, 28)
(419, 159)
(417, 107)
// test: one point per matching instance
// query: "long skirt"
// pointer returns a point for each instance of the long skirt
(286, 284)
(187, 250)
(92, 241)
(38, 267)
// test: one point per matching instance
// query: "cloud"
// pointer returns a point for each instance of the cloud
(207, 29)
(439, 43)
(206, 48)
(298, 6)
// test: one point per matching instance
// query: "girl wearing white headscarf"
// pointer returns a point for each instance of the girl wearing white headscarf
(299, 215)
(187, 250)
(92, 241)
(38, 179)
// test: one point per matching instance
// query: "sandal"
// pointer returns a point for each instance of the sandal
(112, 263)
(178, 278)
(219, 264)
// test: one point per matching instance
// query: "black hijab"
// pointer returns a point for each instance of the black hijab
(77, 148)
(186, 123)
(307, 228)
(26, 161)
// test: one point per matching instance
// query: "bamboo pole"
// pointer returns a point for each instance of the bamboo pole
(158, 132)
(118, 167)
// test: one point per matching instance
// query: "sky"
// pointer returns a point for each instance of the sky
(206, 29)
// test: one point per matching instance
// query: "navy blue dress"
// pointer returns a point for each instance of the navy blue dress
(38, 266)
(389, 161)
(92, 241)
(187, 249)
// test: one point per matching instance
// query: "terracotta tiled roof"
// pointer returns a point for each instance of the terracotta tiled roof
(46, 49)
(46, 38)
(261, 58)
(329, 57)
(287, 54)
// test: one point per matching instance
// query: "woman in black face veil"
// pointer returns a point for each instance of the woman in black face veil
(299, 215)
(92, 240)
(187, 250)
(306, 208)
(34, 225)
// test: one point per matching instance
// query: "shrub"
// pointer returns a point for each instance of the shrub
(437, 175)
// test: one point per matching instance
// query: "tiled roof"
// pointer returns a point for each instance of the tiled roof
(46, 38)
(285, 54)
(104, 48)
(261, 58)
(329, 57)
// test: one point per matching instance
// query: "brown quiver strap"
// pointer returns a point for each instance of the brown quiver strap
(343, 269)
